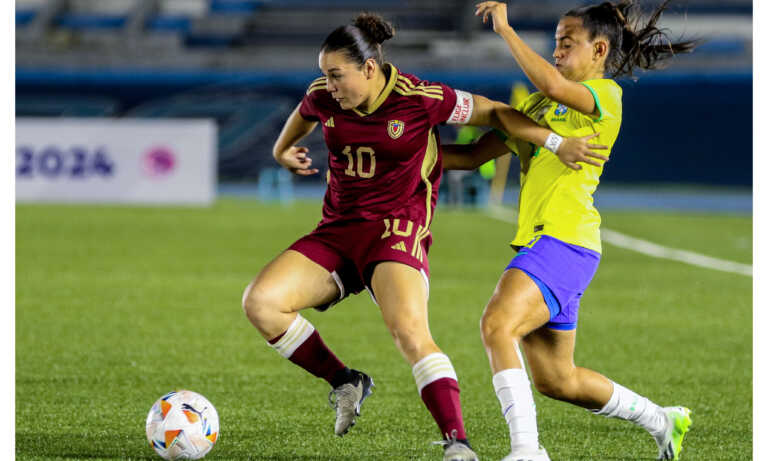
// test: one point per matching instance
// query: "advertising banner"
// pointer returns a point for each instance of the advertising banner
(163, 161)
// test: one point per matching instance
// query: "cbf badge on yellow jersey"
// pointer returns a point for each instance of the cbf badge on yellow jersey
(395, 128)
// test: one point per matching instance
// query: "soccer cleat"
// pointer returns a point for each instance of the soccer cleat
(456, 450)
(349, 399)
(670, 442)
(537, 455)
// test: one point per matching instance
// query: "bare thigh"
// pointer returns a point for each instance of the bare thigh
(288, 284)
(516, 308)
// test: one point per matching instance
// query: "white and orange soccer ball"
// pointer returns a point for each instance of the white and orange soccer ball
(182, 425)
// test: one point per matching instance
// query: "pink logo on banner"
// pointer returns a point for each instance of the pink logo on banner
(159, 162)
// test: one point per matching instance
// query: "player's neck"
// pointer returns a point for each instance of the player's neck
(379, 82)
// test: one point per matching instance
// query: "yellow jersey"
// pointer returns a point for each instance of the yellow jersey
(554, 199)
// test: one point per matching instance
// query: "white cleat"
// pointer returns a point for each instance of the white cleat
(455, 450)
(670, 442)
(536, 455)
(349, 399)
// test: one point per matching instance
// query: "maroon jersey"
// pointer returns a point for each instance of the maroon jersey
(385, 163)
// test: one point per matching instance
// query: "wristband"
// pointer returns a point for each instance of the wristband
(553, 142)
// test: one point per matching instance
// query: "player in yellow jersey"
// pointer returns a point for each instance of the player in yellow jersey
(536, 300)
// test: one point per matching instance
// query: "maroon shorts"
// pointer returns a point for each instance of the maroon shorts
(351, 250)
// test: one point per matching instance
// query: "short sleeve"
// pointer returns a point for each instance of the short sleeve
(605, 96)
(308, 108)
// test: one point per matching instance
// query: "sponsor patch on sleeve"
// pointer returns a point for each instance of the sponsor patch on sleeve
(462, 111)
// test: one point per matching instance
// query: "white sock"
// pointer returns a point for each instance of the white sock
(298, 332)
(431, 368)
(516, 398)
(627, 405)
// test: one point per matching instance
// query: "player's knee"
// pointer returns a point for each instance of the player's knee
(259, 303)
(411, 340)
(496, 324)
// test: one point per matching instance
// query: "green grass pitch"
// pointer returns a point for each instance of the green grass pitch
(115, 306)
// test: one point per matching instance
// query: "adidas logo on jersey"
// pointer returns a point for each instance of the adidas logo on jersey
(329, 123)
(400, 246)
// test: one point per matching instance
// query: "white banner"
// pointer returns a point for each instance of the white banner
(116, 160)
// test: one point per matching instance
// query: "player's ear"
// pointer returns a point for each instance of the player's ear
(369, 68)
(600, 48)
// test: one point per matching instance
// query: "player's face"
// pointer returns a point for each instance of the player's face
(576, 57)
(347, 82)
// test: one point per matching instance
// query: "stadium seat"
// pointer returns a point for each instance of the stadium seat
(65, 106)
(24, 17)
(234, 6)
(90, 21)
(169, 23)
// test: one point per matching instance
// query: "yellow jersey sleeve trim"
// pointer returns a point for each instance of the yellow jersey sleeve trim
(597, 101)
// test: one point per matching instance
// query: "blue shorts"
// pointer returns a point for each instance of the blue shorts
(562, 273)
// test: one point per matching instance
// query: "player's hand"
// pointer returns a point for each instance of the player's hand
(574, 150)
(296, 160)
(497, 11)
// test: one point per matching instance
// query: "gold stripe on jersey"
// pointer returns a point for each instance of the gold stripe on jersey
(427, 165)
(435, 91)
(418, 93)
(317, 87)
(393, 74)
(320, 83)
(419, 89)
(409, 84)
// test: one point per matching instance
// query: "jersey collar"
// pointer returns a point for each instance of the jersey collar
(393, 73)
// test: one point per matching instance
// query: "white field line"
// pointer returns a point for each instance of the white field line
(647, 248)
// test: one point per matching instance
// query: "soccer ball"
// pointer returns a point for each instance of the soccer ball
(182, 425)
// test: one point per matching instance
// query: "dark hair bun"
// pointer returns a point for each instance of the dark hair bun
(374, 27)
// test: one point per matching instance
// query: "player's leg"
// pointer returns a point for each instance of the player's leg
(516, 308)
(401, 292)
(550, 357)
(289, 283)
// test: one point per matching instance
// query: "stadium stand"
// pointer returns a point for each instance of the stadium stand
(246, 62)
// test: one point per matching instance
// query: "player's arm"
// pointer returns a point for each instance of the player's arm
(542, 74)
(285, 150)
(515, 124)
(471, 156)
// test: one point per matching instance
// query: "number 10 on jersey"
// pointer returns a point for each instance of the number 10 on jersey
(356, 165)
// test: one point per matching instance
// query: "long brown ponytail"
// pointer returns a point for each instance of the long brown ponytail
(632, 44)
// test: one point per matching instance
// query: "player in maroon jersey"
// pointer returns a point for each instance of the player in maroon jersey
(384, 172)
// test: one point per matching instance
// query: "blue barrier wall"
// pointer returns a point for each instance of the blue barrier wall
(678, 128)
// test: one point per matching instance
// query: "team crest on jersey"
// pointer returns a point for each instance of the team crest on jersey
(395, 128)
(561, 110)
